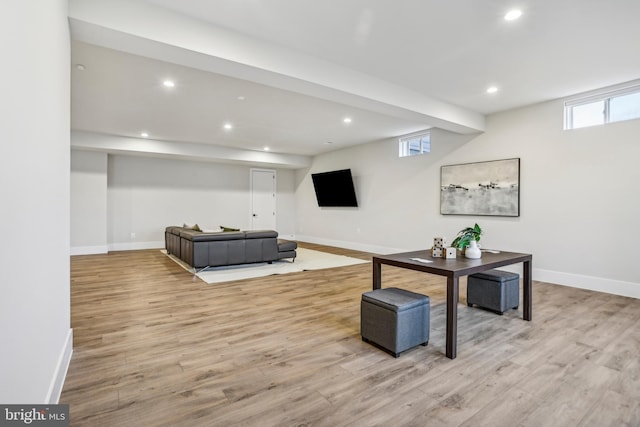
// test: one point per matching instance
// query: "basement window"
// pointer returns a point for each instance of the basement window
(414, 144)
(604, 106)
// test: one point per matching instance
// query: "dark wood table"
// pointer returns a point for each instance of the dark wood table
(453, 269)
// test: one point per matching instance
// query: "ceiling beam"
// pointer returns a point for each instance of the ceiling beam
(150, 31)
(185, 150)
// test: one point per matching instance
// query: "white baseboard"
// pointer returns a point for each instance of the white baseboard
(600, 284)
(89, 250)
(350, 245)
(134, 246)
(55, 389)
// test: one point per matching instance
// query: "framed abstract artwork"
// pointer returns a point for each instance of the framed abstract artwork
(483, 188)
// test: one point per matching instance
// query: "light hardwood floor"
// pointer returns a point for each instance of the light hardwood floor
(153, 347)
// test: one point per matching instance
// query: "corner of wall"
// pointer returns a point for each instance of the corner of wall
(62, 366)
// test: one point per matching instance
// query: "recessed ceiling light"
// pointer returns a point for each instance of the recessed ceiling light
(144, 135)
(228, 126)
(80, 67)
(347, 120)
(168, 83)
(241, 98)
(266, 148)
(512, 15)
(492, 89)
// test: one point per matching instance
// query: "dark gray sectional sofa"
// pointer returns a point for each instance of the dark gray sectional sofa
(201, 250)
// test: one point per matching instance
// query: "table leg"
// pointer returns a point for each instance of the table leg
(453, 291)
(377, 275)
(527, 291)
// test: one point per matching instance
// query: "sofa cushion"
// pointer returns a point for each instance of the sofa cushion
(260, 234)
(212, 230)
(195, 227)
(204, 237)
(173, 229)
(188, 233)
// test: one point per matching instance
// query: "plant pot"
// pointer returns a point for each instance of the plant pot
(472, 251)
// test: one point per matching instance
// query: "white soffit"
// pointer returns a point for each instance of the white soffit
(156, 33)
(114, 144)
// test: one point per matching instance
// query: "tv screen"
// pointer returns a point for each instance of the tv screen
(335, 188)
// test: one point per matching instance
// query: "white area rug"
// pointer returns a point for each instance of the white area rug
(307, 259)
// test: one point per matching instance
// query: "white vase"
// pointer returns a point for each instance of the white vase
(472, 251)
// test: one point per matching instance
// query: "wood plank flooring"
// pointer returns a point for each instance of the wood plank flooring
(154, 347)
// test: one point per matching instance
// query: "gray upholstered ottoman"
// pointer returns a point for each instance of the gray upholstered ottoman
(495, 290)
(287, 249)
(394, 319)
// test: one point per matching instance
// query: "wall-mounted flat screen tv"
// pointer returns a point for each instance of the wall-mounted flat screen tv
(335, 188)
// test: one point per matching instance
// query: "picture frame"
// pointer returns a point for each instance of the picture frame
(488, 188)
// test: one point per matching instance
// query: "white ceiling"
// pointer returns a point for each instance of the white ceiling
(120, 93)
(425, 51)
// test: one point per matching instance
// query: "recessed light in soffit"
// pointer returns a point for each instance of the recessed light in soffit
(512, 15)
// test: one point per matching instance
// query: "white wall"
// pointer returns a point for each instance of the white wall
(34, 274)
(578, 197)
(147, 194)
(286, 203)
(88, 202)
(397, 198)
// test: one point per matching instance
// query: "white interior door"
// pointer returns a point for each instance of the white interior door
(263, 199)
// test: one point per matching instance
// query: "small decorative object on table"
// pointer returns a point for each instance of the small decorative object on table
(438, 248)
(439, 242)
(467, 241)
(449, 253)
(472, 251)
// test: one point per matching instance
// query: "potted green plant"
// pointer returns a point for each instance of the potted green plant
(465, 236)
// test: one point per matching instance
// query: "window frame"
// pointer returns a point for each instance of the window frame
(605, 95)
(405, 140)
